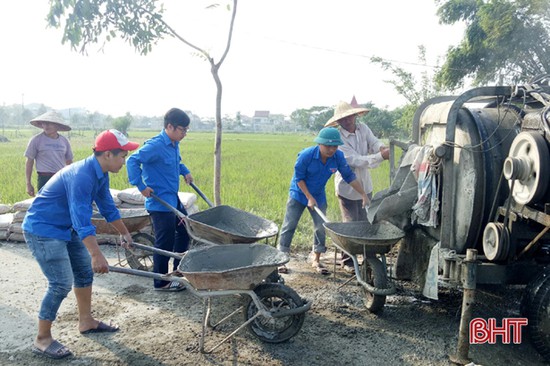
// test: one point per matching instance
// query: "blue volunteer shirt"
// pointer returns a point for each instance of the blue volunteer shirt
(157, 164)
(310, 169)
(65, 202)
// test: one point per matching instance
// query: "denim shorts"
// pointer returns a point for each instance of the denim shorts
(65, 264)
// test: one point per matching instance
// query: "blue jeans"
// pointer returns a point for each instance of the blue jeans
(294, 210)
(171, 235)
(65, 264)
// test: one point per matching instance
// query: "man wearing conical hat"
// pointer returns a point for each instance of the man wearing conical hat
(363, 151)
(50, 150)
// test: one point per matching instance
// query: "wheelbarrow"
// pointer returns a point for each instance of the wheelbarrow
(224, 224)
(135, 220)
(373, 241)
(272, 312)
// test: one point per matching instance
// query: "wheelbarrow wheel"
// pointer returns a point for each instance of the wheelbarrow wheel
(275, 297)
(141, 259)
(374, 274)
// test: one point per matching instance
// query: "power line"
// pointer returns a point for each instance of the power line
(349, 53)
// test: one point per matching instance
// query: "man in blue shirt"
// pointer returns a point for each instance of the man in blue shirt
(313, 168)
(59, 232)
(156, 168)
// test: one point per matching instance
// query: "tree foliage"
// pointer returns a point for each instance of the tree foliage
(313, 118)
(141, 24)
(413, 90)
(123, 123)
(505, 41)
(381, 121)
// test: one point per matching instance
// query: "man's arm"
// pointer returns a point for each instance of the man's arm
(29, 164)
(359, 188)
(99, 263)
(311, 202)
(123, 230)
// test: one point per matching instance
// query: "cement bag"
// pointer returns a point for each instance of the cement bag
(192, 209)
(15, 228)
(3, 234)
(114, 194)
(18, 216)
(5, 221)
(23, 205)
(187, 199)
(16, 237)
(4, 209)
(132, 196)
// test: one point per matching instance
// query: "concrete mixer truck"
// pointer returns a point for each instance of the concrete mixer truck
(476, 175)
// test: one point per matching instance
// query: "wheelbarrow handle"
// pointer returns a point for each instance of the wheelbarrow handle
(320, 213)
(201, 194)
(165, 253)
(178, 213)
(156, 276)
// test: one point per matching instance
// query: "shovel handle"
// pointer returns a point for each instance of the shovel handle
(178, 213)
(201, 194)
(320, 213)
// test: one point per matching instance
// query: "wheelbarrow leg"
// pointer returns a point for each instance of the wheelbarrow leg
(206, 321)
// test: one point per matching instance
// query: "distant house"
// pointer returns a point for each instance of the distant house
(261, 118)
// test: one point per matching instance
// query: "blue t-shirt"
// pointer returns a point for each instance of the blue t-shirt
(310, 169)
(65, 202)
(157, 164)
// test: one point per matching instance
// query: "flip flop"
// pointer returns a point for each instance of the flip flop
(283, 269)
(348, 269)
(102, 328)
(173, 286)
(320, 268)
(55, 350)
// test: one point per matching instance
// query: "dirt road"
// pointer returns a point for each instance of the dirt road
(164, 328)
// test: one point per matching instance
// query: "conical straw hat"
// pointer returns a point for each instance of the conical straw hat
(51, 117)
(342, 110)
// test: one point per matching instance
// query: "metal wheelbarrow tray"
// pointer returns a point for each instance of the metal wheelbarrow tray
(228, 225)
(235, 267)
(373, 241)
(358, 237)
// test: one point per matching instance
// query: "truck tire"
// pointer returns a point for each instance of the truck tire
(535, 306)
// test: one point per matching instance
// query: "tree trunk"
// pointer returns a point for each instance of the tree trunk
(218, 138)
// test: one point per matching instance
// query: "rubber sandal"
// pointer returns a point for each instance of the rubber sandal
(102, 328)
(283, 269)
(173, 286)
(348, 269)
(321, 269)
(55, 350)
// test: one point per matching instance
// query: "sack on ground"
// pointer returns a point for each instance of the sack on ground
(23, 205)
(4, 209)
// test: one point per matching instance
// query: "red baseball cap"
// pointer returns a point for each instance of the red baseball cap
(113, 139)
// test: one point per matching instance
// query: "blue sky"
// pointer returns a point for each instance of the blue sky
(286, 54)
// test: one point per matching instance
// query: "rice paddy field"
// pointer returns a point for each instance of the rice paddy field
(256, 171)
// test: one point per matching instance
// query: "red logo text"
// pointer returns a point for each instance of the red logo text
(486, 331)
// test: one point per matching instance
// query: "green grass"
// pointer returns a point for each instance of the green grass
(256, 171)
